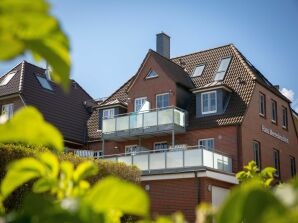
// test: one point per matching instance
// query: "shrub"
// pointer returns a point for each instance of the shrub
(11, 152)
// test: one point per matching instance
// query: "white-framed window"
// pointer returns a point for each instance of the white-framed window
(160, 146)
(284, 117)
(139, 103)
(131, 149)
(163, 100)
(207, 143)
(222, 69)
(97, 153)
(198, 70)
(256, 146)
(273, 111)
(151, 74)
(108, 113)
(276, 162)
(262, 104)
(7, 78)
(209, 102)
(7, 110)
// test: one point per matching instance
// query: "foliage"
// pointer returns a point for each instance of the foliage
(28, 126)
(27, 25)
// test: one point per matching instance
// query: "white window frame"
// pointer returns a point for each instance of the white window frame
(167, 93)
(221, 71)
(9, 108)
(194, 71)
(135, 102)
(207, 139)
(147, 76)
(44, 83)
(7, 78)
(264, 104)
(110, 111)
(129, 146)
(155, 143)
(273, 102)
(202, 102)
(285, 120)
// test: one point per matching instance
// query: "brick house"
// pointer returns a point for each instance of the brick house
(27, 84)
(191, 122)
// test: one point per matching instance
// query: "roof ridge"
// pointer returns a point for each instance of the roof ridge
(22, 75)
(189, 54)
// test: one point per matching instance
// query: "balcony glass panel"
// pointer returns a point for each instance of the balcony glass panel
(218, 161)
(111, 158)
(179, 118)
(193, 157)
(136, 120)
(174, 159)
(122, 123)
(109, 125)
(157, 161)
(150, 119)
(165, 116)
(208, 158)
(125, 159)
(141, 161)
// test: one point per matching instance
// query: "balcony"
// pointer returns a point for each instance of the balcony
(167, 160)
(157, 121)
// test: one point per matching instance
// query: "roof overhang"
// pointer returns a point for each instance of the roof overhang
(210, 88)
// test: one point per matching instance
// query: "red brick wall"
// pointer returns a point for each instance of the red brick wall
(151, 87)
(251, 130)
(170, 196)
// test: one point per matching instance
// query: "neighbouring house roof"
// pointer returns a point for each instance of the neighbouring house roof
(65, 110)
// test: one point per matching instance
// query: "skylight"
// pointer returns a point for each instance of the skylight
(7, 78)
(151, 74)
(44, 83)
(198, 70)
(222, 69)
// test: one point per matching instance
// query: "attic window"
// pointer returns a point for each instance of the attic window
(7, 78)
(198, 70)
(151, 74)
(222, 69)
(44, 83)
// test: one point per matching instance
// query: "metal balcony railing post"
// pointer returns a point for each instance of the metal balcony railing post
(202, 157)
(166, 165)
(183, 157)
(128, 124)
(143, 122)
(213, 160)
(149, 157)
(157, 119)
(116, 126)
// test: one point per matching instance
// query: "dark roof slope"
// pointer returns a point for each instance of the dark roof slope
(13, 86)
(64, 110)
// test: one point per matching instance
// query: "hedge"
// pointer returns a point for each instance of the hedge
(11, 152)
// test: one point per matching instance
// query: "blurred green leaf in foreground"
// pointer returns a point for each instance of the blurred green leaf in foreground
(27, 25)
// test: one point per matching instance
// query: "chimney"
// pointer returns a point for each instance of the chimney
(48, 71)
(163, 44)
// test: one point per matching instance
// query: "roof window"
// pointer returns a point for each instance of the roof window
(7, 78)
(151, 74)
(44, 82)
(222, 69)
(198, 70)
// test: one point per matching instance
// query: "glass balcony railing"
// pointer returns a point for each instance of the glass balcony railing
(169, 118)
(175, 159)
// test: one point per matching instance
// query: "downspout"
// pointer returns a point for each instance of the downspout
(239, 149)
(197, 184)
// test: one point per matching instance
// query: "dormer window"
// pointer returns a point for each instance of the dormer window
(222, 69)
(7, 78)
(209, 102)
(198, 70)
(151, 74)
(44, 82)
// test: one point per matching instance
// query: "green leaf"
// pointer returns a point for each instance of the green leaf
(85, 169)
(20, 172)
(51, 161)
(43, 185)
(28, 126)
(114, 194)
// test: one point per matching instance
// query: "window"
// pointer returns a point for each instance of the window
(7, 78)
(162, 100)
(209, 102)
(293, 166)
(151, 74)
(131, 149)
(160, 146)
(98, 154)
(273, 111)
(44, 83)
(262, 105)
(139, 103)
(284, 117)
(7, 110)
(257, 153)
(108, 113)
(198, 70)
(222, 69)
(276, 161)
(207, 143)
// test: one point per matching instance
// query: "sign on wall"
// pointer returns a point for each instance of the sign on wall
(274, 134)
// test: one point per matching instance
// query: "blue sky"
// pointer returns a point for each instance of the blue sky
(109, 39)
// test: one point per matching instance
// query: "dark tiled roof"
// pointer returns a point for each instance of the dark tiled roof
(66, 111)
(13, 86)
(240, 78)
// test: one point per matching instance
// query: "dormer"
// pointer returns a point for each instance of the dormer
(212, 99)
